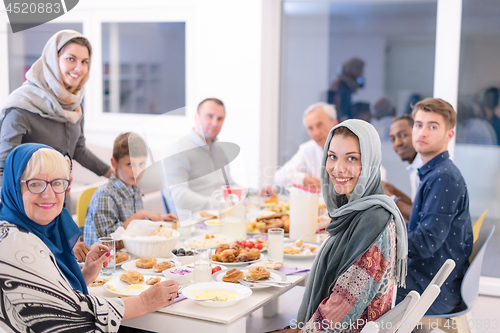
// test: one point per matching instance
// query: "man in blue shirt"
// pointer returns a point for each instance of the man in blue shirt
(440, 227)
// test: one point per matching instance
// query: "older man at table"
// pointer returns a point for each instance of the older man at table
(194, 181)
(305, 166)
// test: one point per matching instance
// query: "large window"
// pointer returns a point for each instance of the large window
(144, 67)
(396, 42)
(477, 152)
(25, 47)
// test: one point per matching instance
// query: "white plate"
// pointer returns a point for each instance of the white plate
(263, 233)
(276, 276)
(235, 263)
(301, 255)
(213, 212)
(212, 224)
(130, 257)
(131, 265)
(213, 264)
(253, 214)
(193, 290)
(120, 286)
(200, 242)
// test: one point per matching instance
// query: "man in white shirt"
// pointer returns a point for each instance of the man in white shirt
(401, 139)
(305, 166)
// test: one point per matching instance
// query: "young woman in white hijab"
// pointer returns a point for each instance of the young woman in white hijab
(353, 276)
(47, 107)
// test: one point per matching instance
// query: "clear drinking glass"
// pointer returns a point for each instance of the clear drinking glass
(111, 244)
(185, 216)
(275, 240)
(202, 267)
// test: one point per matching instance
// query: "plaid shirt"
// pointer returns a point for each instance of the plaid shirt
(110, 206)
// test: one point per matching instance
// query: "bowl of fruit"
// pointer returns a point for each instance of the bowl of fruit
(185, 257)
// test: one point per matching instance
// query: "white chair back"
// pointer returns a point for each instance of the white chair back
(416, 314)
(390, 320)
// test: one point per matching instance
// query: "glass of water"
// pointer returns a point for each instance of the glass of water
(202, 267)
(275, 240)
(111, 244)
(184, 222)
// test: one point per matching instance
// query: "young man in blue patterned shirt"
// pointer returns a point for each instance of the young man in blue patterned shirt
(118, 202)
(440, 226)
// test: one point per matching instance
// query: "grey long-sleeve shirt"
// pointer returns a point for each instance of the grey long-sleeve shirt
(192, 173)
(21, 126)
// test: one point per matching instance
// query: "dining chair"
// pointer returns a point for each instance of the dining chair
(458, 320)
(407, 314)
(391, 320)
(476, 227)
(82, 204)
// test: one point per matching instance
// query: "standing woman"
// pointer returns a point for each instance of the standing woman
(353, 276)
(47, 107)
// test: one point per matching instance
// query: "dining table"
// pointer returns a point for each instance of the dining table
(187, 316)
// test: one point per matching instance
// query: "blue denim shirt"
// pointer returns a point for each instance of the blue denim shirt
(440, 228)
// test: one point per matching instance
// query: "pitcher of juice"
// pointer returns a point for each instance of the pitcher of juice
(304, 204)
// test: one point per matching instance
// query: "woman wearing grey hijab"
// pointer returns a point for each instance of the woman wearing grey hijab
(47, 107)
(353, 276)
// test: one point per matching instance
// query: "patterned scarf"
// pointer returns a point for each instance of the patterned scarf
(44, 92)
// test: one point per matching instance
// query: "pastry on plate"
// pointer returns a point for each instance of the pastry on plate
(206, 214)
(121, 257)
(299, 243)
(161, 266)
(258, 273)
(267, 264)
(161, 231)
(310, 248)
(233, 275)
(153, 280)
(290, 250)
(100, 281)
(132, 277)
(146, 262)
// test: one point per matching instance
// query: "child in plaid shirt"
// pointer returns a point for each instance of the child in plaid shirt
(118, 202)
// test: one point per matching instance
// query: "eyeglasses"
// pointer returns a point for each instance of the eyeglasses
(37, 186)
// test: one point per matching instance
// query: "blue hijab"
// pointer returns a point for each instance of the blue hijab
(60, 235)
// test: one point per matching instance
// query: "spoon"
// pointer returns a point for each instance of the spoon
(215, 299)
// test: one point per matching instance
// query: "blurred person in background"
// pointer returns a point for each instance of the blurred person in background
(491, 104)
(361, 111)
(384, 112)
(472, 126)
(348, 82)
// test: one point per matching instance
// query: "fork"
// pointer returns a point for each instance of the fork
(267, 283)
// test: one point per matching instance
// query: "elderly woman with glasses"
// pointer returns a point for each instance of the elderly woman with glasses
(42, 289)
